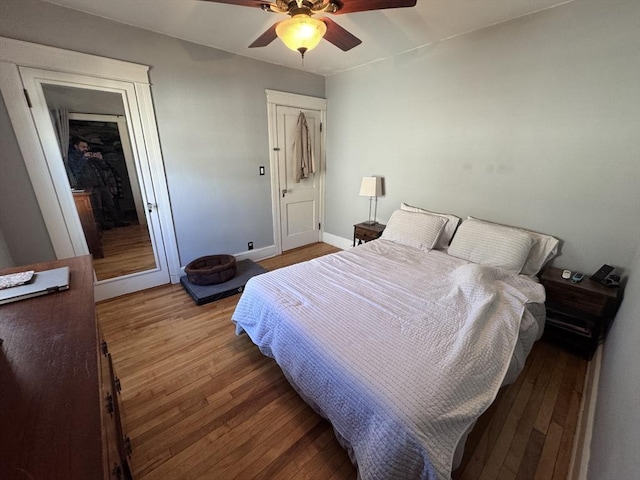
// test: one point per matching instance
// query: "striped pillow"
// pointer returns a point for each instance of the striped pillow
(494, 245)
(544, 248)
(418, 230)
(448, 230)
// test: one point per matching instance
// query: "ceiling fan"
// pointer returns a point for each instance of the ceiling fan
(302, 32)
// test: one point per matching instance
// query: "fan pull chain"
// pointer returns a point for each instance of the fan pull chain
(302, 51)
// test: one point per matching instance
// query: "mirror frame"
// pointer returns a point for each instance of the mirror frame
(15, 54)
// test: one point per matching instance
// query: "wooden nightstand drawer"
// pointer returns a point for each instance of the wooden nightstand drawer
(363, 232)
(577, 299)
(366, 235)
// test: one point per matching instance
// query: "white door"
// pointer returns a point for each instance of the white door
(299, 201)
(35, 81)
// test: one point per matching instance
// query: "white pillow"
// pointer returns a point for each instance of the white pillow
(416, 230)
(545, 247)
(490, 244)
(448, 230)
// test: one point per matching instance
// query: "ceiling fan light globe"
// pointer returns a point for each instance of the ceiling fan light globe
(301, 32)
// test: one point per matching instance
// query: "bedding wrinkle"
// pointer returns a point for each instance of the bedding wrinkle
(399, 348)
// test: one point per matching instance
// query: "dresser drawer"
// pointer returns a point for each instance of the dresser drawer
(116, 450)
(576, 299)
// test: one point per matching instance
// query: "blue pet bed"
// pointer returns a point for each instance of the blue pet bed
(201, 294)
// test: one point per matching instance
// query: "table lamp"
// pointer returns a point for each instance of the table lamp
(371, 187)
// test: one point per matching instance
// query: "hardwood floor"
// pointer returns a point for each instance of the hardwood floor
(201, 402)
(126, 250)
(528, 432)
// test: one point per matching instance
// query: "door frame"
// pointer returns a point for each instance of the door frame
(15, 54)
(275, 99)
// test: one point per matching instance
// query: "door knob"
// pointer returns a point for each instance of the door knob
(151, 206)
(284, 190)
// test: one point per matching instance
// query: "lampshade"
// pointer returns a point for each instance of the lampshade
(371, 187)
(301, 32)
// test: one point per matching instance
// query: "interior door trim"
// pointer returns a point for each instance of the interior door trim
(15, 54)
(26, 54)
(275, 99)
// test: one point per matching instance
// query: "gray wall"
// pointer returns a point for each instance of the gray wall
(6, 260)
(25, 233)
(616, 430)
(534, 123)
(212, 120)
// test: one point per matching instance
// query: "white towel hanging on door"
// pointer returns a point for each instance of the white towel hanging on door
(303, 150)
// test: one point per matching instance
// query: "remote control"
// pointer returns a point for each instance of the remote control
(577, 277)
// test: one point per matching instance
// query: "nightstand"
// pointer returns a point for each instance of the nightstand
(578, 314)
(364, 232)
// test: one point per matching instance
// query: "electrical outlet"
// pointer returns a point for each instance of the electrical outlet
(250, 245)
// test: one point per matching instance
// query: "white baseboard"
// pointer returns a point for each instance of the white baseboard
(337, 241)
(258, 254)
(581, 451)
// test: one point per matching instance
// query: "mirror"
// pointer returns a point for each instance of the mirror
(102, 174)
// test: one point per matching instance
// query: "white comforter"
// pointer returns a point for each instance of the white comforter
(401, 350)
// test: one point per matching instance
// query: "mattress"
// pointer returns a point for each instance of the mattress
(399, 349)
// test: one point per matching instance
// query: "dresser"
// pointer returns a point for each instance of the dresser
(91, 228)
(59, 412)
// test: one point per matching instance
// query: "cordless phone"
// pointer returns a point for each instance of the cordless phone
(601, 274)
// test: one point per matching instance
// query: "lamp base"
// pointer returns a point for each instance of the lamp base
(370, 222)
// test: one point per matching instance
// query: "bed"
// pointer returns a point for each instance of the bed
(399, 344)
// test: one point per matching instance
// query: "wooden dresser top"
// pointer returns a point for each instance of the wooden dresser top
(50, 423)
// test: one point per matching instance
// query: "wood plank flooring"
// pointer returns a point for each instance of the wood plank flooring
(201, 402)
(126, 250)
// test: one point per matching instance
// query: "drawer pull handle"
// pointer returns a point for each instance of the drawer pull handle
(104, 347)
(117, 471)
(110, 405)
(127, 445)
(118, 386)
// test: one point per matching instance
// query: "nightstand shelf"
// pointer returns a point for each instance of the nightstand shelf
(578, 314)
(363, 232)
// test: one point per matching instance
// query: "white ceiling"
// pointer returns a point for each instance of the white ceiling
(384, 33)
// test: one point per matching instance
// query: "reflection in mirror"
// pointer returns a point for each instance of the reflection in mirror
(99, 162)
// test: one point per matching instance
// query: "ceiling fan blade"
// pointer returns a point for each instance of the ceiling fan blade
(266, 38)
(353, 6)
(242, 3)
(340, 37)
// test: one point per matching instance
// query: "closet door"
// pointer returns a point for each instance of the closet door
(299, 199)
(298, 207)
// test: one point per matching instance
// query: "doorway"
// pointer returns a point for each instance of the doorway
(298, 205)
(121, 90)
